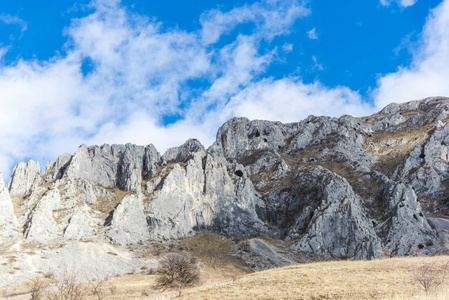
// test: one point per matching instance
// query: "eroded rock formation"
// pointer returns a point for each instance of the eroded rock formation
(335, 187)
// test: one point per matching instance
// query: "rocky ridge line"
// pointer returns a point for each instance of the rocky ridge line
(334, 187)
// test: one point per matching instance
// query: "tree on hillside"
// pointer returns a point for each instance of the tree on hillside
(177, 271)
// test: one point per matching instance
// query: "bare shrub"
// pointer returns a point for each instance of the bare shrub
(98, 288)
(112, 289)
(37, 287)
(67, 287)
(386, 253)
(177, 271)
(430, 276)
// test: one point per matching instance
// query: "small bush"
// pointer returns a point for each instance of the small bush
(98, 289)
(37, 288)
(68, 287)
(177, 271)
(431, 276)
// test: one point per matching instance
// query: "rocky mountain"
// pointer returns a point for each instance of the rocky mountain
(333, 187)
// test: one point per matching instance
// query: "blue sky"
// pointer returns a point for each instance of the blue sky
(94, 72)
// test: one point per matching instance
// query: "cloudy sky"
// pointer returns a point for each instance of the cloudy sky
(111, 71)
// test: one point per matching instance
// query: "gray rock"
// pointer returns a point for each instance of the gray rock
(80, 191)
(97, 165)
(239, 135)
(407, 228)
(130, 168)
(197, 198)
(426, 167)
(184, 152)
(269, 252)
(86, 260)
(24, 179)
(338, 228)
(80, 225)
(150, 161)
(390, 109)
(7, 217)
(334, 187)
(61, 164)
(129, 223)
(41, 226)
(441, 226)
(123, 166)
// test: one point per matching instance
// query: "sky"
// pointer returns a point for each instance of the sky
(161, 72)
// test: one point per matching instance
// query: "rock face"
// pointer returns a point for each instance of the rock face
(41, 225)
(338, 226)
(25, 178)
(7, 216)
(129, 222)
(333, 187)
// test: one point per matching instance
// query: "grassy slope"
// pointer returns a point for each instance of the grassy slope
(376, 279)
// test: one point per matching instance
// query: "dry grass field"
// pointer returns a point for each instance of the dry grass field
(377, 279)
(224, 276)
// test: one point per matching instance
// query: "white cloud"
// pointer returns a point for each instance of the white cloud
(140, 128)
(271, 17)
(312, 35)
(407, 3)
(287, 47)
(290, 100)
(39, 105)
(316, 65)
(401, 3)
(405, 44)
(14, 20)
(427, 74)
(140, 73)
(3, 51)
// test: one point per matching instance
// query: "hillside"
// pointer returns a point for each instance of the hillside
(393, 278)
(377, 279)
(319, 189)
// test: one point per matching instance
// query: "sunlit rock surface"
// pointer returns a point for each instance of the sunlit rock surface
(333, 187)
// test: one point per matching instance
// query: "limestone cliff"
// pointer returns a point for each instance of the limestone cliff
(335, 187)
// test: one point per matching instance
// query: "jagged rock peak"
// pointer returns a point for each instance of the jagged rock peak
(25, 178)
(111, 165)
(184, 152)
(240, 134)
(424, 104)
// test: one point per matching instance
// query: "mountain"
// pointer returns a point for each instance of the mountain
(333, 187)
